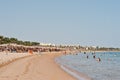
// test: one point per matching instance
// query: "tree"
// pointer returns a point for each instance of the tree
(35, 43)
(6, 40)
(13, 40)
(1, 37)
(27, 43)
(20, 42)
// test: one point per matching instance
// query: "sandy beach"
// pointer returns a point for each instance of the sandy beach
(36, 67)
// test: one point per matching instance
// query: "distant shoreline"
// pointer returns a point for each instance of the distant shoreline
(100, 51)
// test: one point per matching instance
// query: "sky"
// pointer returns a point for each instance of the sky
(84, 22)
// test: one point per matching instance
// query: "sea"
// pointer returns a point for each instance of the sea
(106, 68)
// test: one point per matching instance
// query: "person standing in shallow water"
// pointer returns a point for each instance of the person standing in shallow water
(84, 52)
(87, 56)
(94, 56)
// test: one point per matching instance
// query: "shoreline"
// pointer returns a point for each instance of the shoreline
(69, 61)
(74, 73)
(47, 66)
(56, 55)
(100, 51)
(36, 67)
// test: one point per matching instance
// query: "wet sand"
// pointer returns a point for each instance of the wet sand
(36, 67)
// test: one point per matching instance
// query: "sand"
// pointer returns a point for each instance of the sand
(6, 58)
(36, 67)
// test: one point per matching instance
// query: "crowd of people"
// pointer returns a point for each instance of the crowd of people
(94, 56)
(24, 49)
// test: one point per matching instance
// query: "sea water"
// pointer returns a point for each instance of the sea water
(106, 69)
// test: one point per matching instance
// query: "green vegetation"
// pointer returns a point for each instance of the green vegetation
(6, 40)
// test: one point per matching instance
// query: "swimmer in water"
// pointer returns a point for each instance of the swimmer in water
(87, 56)
(99, 60)
(84, 52)
(94, 56)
